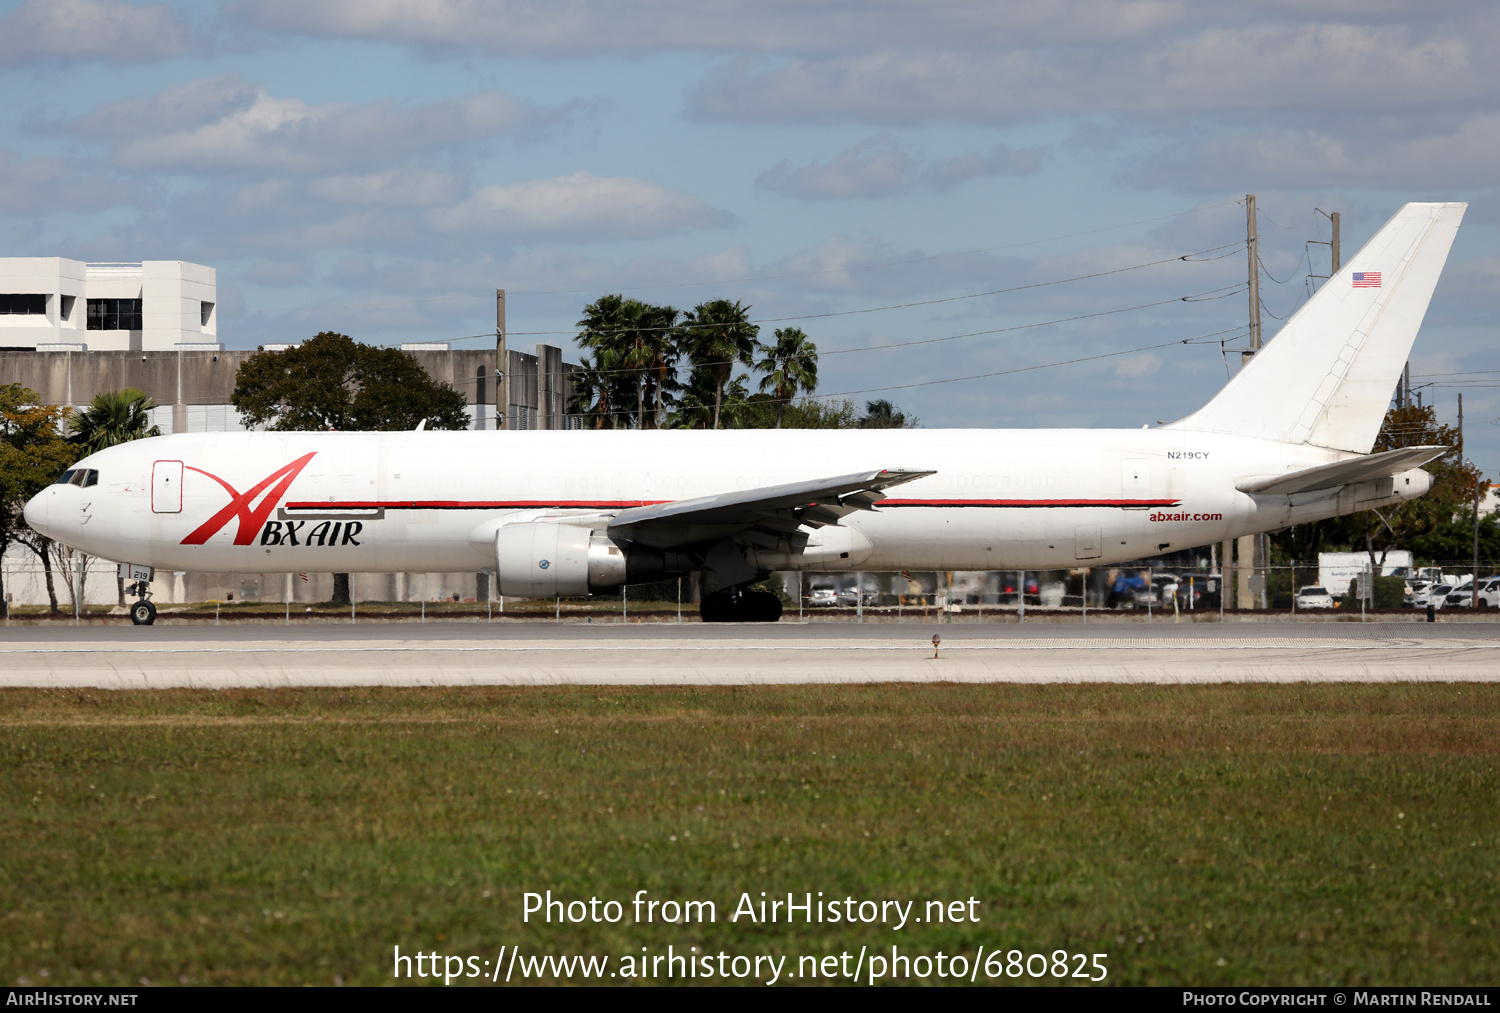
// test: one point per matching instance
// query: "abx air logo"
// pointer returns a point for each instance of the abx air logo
(270, 489)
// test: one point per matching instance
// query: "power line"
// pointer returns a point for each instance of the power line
(788, 276)
(1210, 295)
(1196, 339)
(1026, 369)
(1233, 247)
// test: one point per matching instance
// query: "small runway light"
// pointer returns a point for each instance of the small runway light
(935, 641)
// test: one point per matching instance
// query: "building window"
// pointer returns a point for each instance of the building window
(23, 305)
(206, 309)
(114, 314)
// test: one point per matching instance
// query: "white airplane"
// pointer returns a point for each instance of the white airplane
(1286, 441)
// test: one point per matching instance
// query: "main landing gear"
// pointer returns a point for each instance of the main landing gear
(740, 605)
(143, 612)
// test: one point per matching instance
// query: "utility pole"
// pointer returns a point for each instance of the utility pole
(1336, 259)
(502, 365)
(1251, 547)
(1252, 246)
(1479, 486)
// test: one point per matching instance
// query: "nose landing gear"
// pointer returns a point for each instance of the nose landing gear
(739, 604)
(143, 612)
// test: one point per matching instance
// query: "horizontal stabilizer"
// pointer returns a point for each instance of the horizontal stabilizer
(1356, 469)
(826, 499)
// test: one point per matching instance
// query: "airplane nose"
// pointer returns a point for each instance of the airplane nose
(36, 511)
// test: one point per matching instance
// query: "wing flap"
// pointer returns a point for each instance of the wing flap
(1356, 469)
(812, 503)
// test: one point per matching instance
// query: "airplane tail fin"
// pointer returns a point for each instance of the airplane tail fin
(1327, 377)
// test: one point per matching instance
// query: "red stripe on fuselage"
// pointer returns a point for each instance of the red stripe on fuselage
(456, 504)
(580, 504)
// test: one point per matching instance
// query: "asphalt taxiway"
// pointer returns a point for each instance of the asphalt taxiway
(542, 653)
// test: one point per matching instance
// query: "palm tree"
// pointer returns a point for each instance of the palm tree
(881, 414)
(717, 335)
(659, 349)
(790, 365)
(112, 418)
(597, 388)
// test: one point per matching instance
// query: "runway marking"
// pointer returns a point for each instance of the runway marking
(737, 645)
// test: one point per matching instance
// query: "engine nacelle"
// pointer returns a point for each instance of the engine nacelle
(547, 559)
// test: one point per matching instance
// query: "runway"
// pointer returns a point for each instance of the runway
(543, 653)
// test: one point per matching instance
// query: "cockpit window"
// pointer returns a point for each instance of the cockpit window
(65, 477)
(84, 477)
(92, 478)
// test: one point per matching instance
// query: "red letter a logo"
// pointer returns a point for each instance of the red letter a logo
(239, 503)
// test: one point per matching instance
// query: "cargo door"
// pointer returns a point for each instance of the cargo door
(1087, 543)
(1135, 479)
(166, 487)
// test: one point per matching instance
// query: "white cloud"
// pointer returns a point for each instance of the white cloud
(37, 187)
(108, 30)
(1254, 67)
(226, 125)
(406, 185)
(579, 205)
(947, 173)
(873, 168)
(585, 27)
(1137, 367)
(881, 167)
(1355, 152)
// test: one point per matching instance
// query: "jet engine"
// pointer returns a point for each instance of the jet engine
(546, 559)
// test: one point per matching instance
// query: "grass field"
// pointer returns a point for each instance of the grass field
(1197, 835)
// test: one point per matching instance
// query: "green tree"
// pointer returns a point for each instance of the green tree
(640, 340)
(659, 347)
(334, 382)
(33, 453)
(1378, 531)
(599, 388)
(790, 365)
(112, 418)
(882, 414)
(717, 335)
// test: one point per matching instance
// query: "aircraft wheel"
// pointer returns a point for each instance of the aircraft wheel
(745, 607)
(761, 607)
(143, 613)
(716, 608)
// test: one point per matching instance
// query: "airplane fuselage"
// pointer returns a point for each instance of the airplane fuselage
(432, 501)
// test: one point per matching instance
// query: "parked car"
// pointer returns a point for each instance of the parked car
(849, 597)
(1436, 596)
(821, 597)
(1314, 596)
(1489, 594)
(1008, 596)
(1165, 585)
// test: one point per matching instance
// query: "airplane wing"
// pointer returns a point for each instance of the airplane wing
(1356, 469)
(777, 508)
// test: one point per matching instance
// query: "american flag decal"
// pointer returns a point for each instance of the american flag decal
(1366, 279)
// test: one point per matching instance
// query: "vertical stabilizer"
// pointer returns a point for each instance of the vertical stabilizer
(1326, 378)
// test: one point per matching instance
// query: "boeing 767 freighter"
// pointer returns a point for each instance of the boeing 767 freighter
(1286, 441)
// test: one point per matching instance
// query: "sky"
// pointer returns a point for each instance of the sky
(1008, 213)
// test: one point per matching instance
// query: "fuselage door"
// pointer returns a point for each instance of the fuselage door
(1135, 478)
(166, 487)
(1087, 543)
